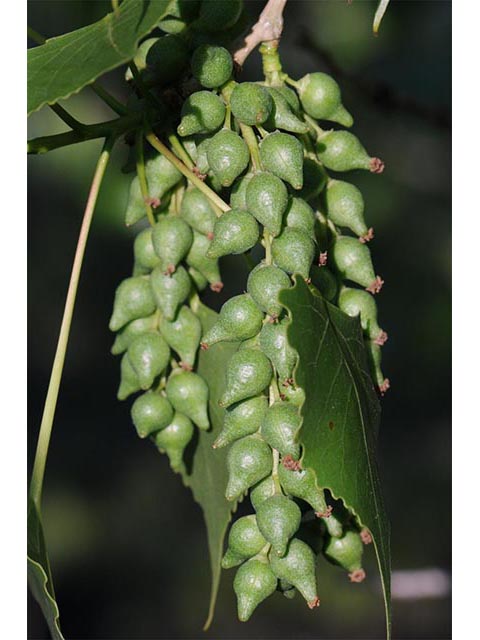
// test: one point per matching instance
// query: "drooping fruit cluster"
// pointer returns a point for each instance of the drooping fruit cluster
(259, 146)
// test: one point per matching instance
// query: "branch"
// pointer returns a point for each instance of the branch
(269, 27)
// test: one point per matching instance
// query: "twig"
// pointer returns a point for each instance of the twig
(268, 28)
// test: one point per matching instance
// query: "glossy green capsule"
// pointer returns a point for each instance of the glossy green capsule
(143, 251)
(353, 261)
(264, 285)
(227, 156)
(172, 238)
(130, 331)
(183, 335)
(218, 15)
(198, 259)
(291, 97)
(133, 299)
(314, 179)
(251, 103)
(282, 154)
(249, 372)
(302, 484)
(320, 97)
(202, 112)
(324, 280)
(238, 194)
(212, 66)
(239, 319)
(282, 116)
(241, 419)
(300, 215)
(347, 552)
(355, 302)
(174, 439)
(253, 583)
(244, 541)
(170, 291)
(261, 491)
(188, 393)
(149, 356)
(342, 151)
(298, 568)
(293, 251)
(279, 428)
(129, 382)
(344, 206)
(235, 232)
(267, 199)
(278, 519)
(275, 345)
(249, 460)
(197, 211)
(151, 412)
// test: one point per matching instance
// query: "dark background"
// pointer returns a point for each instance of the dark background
(126, 541)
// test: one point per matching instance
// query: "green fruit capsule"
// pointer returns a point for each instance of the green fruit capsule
(198, 279)
(294, 395)
(251, 103)
(321, 99)
(244, 541)
(293, 251)
(133, 299)
(298, 568)
(344, 206)
(282, 155)
(151, 412)
(264, 285)
(198, 259)
(267, 198)
(172, 238)
(238, 195)
(183, 335)
(235, 232)
(242, 419)
(303, 484)
(170, 291)
(249, 460)
(149, 356)
(201, 160)
(249, 372)
(281, 116)
(202, 112)
(143, 251)
(278, 519)
(342, 151)
(286, 589)
(180, 14)
(332, 524)
(253, 583)
(197, 211)
(218, 15)
(239, 319)
(374, 352)
(227, 156)
(300, 215)
(314, 179)
(280, 427)
(261, 491)
(275, 345)
(174, 439)
(188, 393)
(292, 99)
(133, 329)
(355, 302)
(212, 66)
(128, 379)
(165, 60)
(353, 261)
(347, 552)
(324, 281)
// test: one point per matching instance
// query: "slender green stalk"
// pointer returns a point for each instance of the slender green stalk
(252, 144)
(180, 151)
(38, 472)
(62, 113)
(142, 178)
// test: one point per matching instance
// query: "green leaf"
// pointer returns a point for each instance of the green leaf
(67, 63)
(39, 575)
(208, 476)
(379, 13)
(340, 414)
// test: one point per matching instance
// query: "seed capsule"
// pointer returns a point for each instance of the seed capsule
(174, 439)
(251, 103)
(183, 335)
(342, 151)
(347, 552)
(253, 583)
(302, 484)
(281, 116)
(198, 279)
(149, 356)
(275, 345)
(238, 195)
(355, 302)
(286, 589)
(172, 237)
(197, 211)
(261, 491)
(344, 206)
(278, 519)
(321, 99)
(353, 262)
(133, 299)
(202, 112)
(264, 284)
(159, 60)
(282, 154)
(314, 179)
(292, 99)
(188, 393)
(235, 232)
(300, 215)
(293, 251)
(128, 379)
(239, 319)
(298, 568)
(227, 156)
(170, 291)
(249, 460)
(294, 395)
(143, 251)
(151, 412)
(198, 259)
(212, 66)
(242, 419)
(248, 373)
(130, 331)
(244, 541)
(218, 15)
(267, 198)
(280, 427)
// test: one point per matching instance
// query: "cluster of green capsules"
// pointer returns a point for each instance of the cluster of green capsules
(260, 146)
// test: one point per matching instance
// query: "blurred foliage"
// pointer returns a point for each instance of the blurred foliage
(127, 544)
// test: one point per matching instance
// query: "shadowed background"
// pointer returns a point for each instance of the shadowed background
(126, 541)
